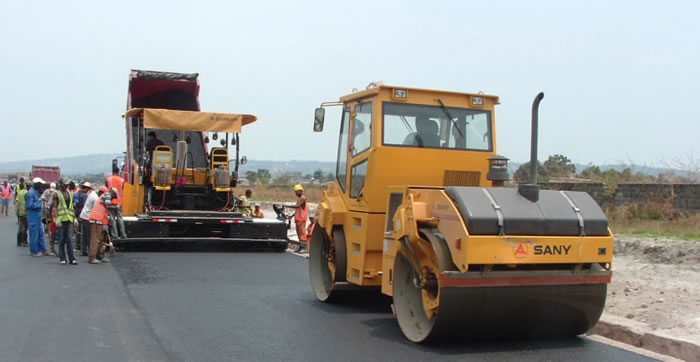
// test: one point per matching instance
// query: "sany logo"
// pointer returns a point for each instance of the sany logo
(520, 251)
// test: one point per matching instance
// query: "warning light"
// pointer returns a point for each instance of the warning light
(400, 93)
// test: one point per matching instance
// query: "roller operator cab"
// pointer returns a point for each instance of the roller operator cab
(179, 186)
(419, 211)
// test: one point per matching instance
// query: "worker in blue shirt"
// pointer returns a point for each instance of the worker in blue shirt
(37, 242)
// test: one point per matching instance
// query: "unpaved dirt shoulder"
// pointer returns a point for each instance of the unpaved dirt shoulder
(656, 282)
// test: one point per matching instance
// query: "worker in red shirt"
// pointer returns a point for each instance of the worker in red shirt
(301, 215)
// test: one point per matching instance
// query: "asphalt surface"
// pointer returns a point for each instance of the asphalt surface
(214, 306)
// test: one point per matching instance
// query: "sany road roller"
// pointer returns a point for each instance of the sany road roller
(419, 211)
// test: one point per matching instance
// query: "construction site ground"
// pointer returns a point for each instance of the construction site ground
(656, 284)
(214, 306)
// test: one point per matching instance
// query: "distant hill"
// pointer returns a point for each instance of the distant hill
(86, 164)
(102, 163)
(279, 167)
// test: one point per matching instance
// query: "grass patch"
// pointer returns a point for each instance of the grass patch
(283, 194)
(651, 220)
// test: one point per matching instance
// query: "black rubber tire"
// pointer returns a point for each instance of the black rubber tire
(341, 258)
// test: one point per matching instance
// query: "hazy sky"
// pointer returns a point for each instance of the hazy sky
(621, 79)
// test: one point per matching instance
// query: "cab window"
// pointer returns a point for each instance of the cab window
(357, 179)
(425, 126)
(362, 128)
(342, 164)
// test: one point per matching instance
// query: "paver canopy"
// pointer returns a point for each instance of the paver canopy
(191, 120)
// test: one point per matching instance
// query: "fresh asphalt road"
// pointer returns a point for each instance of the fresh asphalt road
(213, 306)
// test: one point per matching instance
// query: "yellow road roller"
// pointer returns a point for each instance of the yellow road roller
(419, 211)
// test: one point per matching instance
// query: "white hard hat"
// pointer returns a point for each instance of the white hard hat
(38, 180)
(52, 185)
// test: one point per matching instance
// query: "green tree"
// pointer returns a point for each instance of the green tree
(522, 174)
(591, 172)
(318, 175)
(558, 166)
(330, 177)
(282, 180)
(251, 176)
(263, 176)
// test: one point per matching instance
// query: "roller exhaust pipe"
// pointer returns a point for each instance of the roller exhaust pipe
(530, 190)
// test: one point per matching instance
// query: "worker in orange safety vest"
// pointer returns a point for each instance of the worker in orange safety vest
(4, 198)
(115, 182)
(99, 227)
(301, 215)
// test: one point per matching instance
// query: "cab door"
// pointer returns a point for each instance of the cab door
(359, 151)
(363, 229)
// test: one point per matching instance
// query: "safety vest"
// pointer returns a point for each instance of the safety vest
(99, 214)
(65, 213)
(21, 202)
(116, 182)
(4, 192)
(302, 213)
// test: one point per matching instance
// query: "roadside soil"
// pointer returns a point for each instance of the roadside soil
(656, 281)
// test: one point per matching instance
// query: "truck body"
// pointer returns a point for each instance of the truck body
(47, 173)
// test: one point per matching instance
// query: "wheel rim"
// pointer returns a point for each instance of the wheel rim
(320, 272)
(408, 302)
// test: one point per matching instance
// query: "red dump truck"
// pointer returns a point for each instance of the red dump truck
(47, 173)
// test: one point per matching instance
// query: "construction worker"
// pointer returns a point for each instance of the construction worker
(90, 199)
(99, 227)
(79, 199)
(301, 215)
(21, 209)
(152, 143)
(37, 242)
(115, 214)
(5, 192)
(257, 213)
(18, 186)
(64, 216)
(244, 204)
(115, 182)
(47, 198)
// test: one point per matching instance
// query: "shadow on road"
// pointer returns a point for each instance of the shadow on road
(386, 328)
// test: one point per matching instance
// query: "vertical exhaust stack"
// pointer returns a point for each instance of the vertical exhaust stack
(531, 191)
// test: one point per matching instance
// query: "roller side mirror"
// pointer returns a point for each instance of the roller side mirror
(319, 117)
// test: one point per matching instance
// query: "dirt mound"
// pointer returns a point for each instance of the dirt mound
(659, 250)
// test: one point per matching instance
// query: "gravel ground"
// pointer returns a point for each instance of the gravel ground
(656, 281)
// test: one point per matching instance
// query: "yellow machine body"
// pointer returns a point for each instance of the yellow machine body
(389, 201)
(364, 219)
(165, 171)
